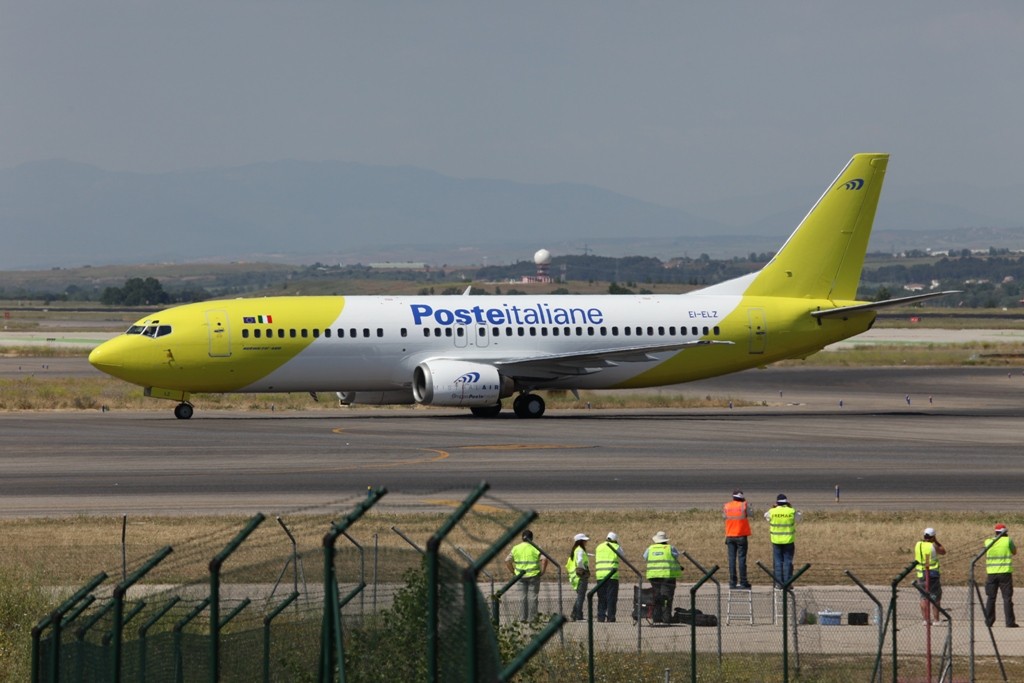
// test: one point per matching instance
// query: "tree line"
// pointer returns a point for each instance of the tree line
(988, 280)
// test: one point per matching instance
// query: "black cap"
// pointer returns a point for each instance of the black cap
(527, 535)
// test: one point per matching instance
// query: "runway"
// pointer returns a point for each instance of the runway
(903, 438)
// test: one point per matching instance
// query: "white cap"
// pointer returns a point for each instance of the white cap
(581, 537)
(660, 537)
(613, 537)
(929, 531)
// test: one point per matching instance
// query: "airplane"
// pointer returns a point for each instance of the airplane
(475, 351)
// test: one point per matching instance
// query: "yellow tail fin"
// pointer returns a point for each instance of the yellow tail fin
(823, 257)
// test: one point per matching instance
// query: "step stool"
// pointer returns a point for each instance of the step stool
(739, 604)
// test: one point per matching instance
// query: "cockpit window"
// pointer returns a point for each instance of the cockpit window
(150, 329)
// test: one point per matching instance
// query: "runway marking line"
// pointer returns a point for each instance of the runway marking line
(524, 447)
(440, 455)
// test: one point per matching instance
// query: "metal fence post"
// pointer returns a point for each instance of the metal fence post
(877, 673)
(119, 591)
(590, 622)
(469, 578)
(433, 578)
(496, 598)
(53, 620)
(469, 558)
(948, 647)
(266, 632)
(362, 574)
(145, 628)
(179, 665)
(718, 603)
(215, 566)
(332, 652)
(892, 611)
(693, 621)
(787, 591)
(83, 631)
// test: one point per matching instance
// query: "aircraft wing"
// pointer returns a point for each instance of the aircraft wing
(554, 365)
(874, 305)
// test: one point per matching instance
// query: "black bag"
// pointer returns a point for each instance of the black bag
(681, 615)
(643, 602)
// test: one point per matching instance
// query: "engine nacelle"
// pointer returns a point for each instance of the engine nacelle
(458, 383)
(375, 398)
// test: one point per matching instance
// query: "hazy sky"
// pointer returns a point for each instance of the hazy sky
(674, 102)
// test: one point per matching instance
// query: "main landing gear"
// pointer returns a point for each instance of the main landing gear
(486, 411)
(183, 411)
(524, 405)
(528, 405)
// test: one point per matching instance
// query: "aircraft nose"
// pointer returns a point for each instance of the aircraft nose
(104, 357)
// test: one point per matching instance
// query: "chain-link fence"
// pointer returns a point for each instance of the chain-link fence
(835, 634)
(421, 595)
(274, 607)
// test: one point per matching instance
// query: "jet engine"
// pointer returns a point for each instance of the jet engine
(458, 383)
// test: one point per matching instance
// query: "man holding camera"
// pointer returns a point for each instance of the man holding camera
(999, 553)
(926, 554)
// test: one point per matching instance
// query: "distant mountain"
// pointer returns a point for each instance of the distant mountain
(59, 213)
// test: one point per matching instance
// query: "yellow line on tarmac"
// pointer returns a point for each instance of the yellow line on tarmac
(523, 447)
(440, 455)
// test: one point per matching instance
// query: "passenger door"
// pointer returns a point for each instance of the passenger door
(217, 328)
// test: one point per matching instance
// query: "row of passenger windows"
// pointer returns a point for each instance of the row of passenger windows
(460, 331)
(315, 333)
(613, 331)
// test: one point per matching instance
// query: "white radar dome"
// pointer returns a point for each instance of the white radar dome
(542, 257)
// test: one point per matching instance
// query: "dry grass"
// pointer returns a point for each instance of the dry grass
(881, 355)
(91, 393)
(874, 546)
(44, 352)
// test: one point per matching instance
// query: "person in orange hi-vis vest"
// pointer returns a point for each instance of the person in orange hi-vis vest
(737, 514)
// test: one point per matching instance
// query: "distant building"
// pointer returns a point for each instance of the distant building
(398, 265)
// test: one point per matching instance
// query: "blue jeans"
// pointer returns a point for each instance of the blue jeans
(737, 547)
(581, 596)
(782, 558)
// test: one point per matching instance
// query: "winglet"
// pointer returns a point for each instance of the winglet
(824, 256)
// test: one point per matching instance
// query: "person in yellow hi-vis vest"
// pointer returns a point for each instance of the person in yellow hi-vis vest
(999, 565)
(527, 560)
(782, 519)
(577, 567)
(663, 569)
(606, 563)
(929, 577)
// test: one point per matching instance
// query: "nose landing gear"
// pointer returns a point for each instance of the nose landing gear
(183, 411)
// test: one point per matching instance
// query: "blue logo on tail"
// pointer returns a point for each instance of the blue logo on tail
(855, 184)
